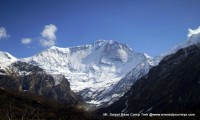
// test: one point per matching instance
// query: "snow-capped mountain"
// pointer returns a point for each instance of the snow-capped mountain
(6, 59)
(5, 56)
(92, 69)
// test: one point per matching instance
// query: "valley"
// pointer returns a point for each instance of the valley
(104, 77)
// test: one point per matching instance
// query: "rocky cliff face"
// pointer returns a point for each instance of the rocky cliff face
(25, 77)
(172, 86)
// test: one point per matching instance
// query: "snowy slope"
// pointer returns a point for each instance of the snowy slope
(6, 59)
(91, 69)
(124, 84)
(119, 88)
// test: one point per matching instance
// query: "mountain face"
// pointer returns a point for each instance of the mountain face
(126, 82)
(6, 59)
(95, 70)
(4, 56)
(25, 77)
(172, 86)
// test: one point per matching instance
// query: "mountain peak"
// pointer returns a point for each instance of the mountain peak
(94, 67)
(100, 42)
(53, 47)
(6, 59)
(112, 43)
(5, 56)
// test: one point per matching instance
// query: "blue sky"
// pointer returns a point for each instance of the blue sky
(150, 26)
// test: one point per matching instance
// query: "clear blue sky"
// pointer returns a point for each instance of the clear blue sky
(150, 26)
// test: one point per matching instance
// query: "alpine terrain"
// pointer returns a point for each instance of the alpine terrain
(94, 71)
(172, 86)
(6, 59)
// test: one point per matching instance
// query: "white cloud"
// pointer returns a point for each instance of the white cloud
(3, 33)
(26, 41)
(48, 35)
(192, 32)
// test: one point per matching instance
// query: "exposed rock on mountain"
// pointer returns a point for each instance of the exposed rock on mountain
(25, 77)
